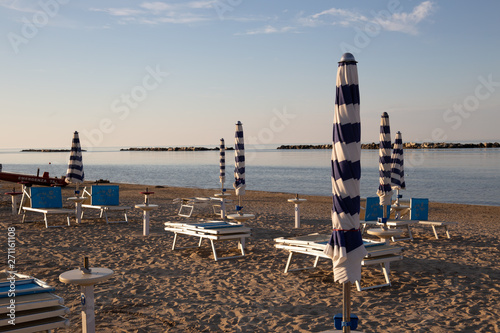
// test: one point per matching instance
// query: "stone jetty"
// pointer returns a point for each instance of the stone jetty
(406, 145)
(46, 150)
(173, 149)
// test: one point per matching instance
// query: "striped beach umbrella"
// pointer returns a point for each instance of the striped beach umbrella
(346, 244)
(239, 162)
(384, 167)
(222, 163)
(75, 174)
(397, 169)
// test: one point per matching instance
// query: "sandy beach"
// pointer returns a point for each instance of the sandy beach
(445, 285)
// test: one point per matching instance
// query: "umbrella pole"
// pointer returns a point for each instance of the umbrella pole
(346, 308)
(384, 215)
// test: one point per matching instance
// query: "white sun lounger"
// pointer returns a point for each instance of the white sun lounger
(419, 210)
(187, 204)
(213, 231)
(46, 201)
(314, 245)
(105, 198)
(37, 309)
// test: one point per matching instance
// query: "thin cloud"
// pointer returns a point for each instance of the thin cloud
(20, 6)
(156, 7)
(269, 29)
(202, 4)
(156, 12)
(119, 11)
(405, 22)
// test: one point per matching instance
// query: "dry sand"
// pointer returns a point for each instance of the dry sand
(445, 285)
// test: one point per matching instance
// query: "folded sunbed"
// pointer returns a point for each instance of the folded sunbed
(314, 245)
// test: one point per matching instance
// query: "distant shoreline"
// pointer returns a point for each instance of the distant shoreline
(406, 145)
(47, 150)
(173, 149)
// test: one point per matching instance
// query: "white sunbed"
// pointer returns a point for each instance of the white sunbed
(373, 211)
(46, 201)
(106, 199)
(419, 210)
(314, 245)
(187, 205)
(37, 309)
(213, 231)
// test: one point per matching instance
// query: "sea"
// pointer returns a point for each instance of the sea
(464, 176)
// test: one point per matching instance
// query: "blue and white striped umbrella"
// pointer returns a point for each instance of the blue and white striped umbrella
(346, 244)
(384, 168)
(222, 163)
(397, 162)
(239, 160)
(75, 173)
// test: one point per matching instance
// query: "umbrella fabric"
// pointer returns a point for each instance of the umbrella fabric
(222, 162)
(239, 160)
(75, 173)
(397, 169)
(384, 168)
(346, 245)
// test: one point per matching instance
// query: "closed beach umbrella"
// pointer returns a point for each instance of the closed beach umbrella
(222, 163)
(75, 174)
(397, 169)
(239, 162)
(346, 244)
(384, 188)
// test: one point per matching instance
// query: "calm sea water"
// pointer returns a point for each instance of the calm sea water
(469, 176)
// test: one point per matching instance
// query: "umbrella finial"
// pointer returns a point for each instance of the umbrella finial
(347, 57)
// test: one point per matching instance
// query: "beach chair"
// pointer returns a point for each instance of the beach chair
(187, 205)
(214, 231)
(314, 245)
(419, 210)
(46, 201)
(37, 309)
(374, 210)
(105, 198)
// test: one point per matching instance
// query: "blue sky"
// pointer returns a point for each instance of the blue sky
(179, 73)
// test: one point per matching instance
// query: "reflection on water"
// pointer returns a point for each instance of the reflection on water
(447, 175)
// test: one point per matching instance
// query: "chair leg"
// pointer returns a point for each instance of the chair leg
(241, 246)
(288, 262)
(213, 250)
(175, 240)
(45, 219)
(435, 232)
(409, 232)
(316, 262)
(447, 231)
(386, 269)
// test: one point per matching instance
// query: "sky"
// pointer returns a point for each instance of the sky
(182, 73)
